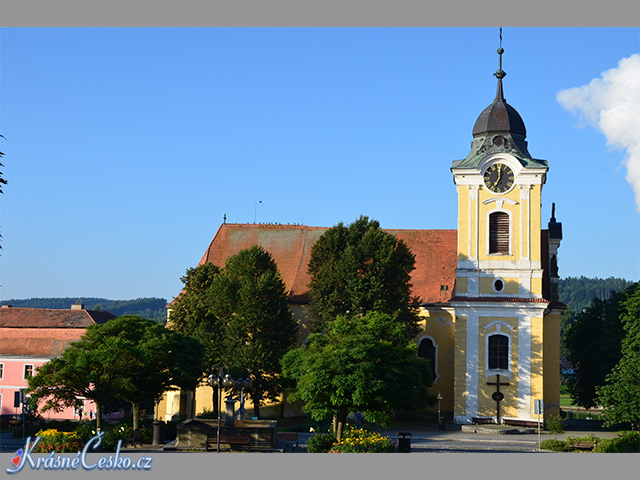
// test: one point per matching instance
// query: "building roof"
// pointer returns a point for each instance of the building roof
(44, 332)
(20, 317)
(433, 279)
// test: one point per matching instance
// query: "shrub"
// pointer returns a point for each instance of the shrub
(112, 434)
(555, 425)
(320, 442)
(555, 445)
(358, 440)
(52, 440)
(627, 443)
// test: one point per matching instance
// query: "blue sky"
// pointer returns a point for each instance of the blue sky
(125, 147)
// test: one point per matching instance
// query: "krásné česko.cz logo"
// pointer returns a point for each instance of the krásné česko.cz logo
(24, 458)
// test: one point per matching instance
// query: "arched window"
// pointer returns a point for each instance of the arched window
(498, 352)
(499, 233)
(427, 350)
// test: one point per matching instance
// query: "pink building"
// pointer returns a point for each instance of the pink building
(30, 337)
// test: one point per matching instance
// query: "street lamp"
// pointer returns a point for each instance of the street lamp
(439, 416)
(221, 381)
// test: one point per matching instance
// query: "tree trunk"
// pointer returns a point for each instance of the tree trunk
(136, 418)
(339, 422)
(98, 416)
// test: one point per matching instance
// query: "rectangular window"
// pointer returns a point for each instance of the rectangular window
(499, 233)
(498, 352)
(1, 371)
(28, 371)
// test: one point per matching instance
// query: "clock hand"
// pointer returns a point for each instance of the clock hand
(499, 176)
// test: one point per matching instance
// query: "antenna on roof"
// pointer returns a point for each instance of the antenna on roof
(224, 219)
(255, 212)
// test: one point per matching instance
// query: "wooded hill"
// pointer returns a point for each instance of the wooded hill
(576, 292)
(152, 308)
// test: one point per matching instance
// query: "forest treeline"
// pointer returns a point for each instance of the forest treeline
(152, 308)
(575, 292)
(578, 292)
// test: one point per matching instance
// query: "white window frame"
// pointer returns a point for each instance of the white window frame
(501, 328)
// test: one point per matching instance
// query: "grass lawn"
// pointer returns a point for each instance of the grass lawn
(565, 400)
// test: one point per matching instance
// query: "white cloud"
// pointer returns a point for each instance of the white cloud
(612, 105)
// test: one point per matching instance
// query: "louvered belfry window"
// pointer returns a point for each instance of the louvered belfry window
(499, 233)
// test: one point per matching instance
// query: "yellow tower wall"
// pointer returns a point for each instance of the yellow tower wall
(438, 324)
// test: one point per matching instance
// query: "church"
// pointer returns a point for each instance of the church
(488, 290)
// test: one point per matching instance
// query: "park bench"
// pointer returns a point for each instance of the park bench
(289, 437)
(516, 422)
(582, 445)
(234, 442)
(482, 420)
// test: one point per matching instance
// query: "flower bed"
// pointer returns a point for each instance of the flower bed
(52, 440)
(358, 440)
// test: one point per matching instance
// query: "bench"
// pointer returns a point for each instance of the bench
(289, 437)
(235, 442)
(515, 422)
(582, 445)
(482, 420)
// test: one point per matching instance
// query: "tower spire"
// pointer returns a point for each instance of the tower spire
(500, 74)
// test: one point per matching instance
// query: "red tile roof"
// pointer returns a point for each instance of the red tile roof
(433, 279)
(44, 332)
(38, 342)
(19, 317)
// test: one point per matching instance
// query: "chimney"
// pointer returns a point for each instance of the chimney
(77, 306)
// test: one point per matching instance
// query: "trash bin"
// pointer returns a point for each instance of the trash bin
(158, 432)
(404, 442)
(441, 424)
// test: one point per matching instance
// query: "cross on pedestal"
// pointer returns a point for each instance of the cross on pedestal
(498, 396)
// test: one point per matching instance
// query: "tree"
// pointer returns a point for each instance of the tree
(359, 364)
(620, 396)
(240, 314)
(593, 346)
(128, 359)
(193, 313)
(251, 299)
(149, 359)
(361, 268)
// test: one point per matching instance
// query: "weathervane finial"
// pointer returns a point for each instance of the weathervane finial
(500, 74)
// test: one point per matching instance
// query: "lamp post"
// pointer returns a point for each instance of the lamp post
(439, 416)
(221, 381)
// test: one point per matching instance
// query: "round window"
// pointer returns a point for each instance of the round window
(498, 285)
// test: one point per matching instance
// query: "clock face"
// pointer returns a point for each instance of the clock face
(499, 178)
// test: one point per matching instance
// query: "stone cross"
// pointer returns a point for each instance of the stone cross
(498, 396)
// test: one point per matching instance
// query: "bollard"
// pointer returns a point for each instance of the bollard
(404, 442)
(158, 432)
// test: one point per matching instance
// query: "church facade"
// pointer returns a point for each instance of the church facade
(490, 313)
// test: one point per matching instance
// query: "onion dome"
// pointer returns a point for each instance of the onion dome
(499, 128)
(499, 117)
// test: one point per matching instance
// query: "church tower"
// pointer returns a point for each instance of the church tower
(507, 326)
